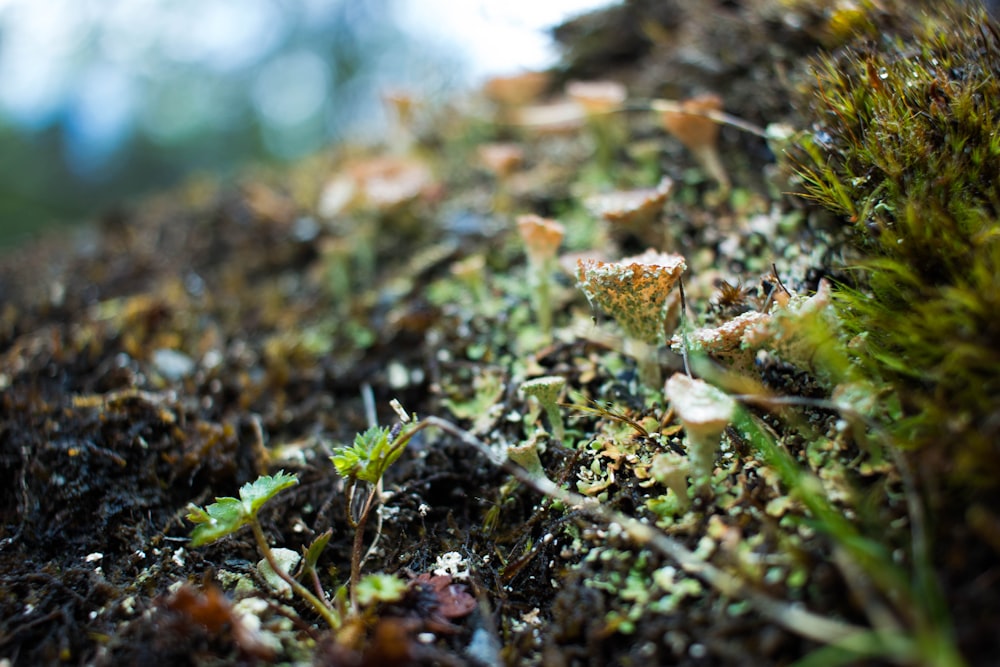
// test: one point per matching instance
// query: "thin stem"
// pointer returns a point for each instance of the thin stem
(331, 618)
(357, 548)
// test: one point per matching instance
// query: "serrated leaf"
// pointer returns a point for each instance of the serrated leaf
(368, 458)
(347, 461)
(221, 518)
(197, 514)
(254, 494)
(316, 548)
(227, 515)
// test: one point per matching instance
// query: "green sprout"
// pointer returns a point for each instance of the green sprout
(227, 515)
(366, 461)
(369, 457)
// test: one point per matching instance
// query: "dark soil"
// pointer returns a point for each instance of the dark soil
(182, 346)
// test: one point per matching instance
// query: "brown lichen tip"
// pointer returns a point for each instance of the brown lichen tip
(596, 97)
(502, 159)
(728, 341)
(631, 207)
(633, 290)
(691, 129)
(517, 89)
(541, 237)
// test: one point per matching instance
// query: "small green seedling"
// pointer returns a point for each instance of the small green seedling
(370, 456)
(227, 515)
(366, 461)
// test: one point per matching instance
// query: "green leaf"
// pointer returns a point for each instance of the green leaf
(221, 518)
(255, 494)
(380, 588)
(227, 515)
(368, 458)
(316, 548)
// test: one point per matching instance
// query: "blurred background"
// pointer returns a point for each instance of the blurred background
(104, 100)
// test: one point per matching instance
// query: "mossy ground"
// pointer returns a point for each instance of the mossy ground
(189, 343)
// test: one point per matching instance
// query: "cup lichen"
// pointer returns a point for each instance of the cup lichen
(705, 412)
(635, 291)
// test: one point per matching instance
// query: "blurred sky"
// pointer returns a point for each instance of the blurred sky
(104, 97)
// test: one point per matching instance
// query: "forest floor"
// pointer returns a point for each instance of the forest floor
(186, 344)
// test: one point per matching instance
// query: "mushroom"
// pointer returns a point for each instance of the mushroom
(704, 412)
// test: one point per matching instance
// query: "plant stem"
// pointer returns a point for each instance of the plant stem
(329, 615)
(358, 546)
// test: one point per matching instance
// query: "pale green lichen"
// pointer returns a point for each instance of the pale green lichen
(705, 412)
(546, 391)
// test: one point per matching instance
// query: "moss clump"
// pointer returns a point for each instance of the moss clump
(906, 147)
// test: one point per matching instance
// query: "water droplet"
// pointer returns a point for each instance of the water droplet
(883, 73)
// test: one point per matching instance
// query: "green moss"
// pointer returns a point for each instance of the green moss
(906, 148)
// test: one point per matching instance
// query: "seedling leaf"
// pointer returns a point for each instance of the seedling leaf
(369, 457)
(254, 494)
(380, 588)
(227, 515)
(221, 518)
(315, 549)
